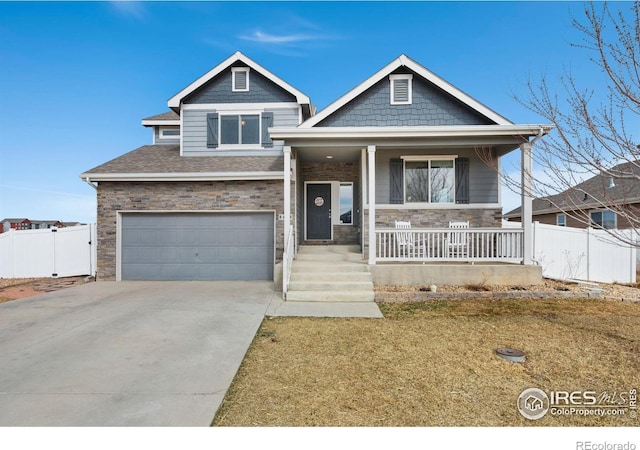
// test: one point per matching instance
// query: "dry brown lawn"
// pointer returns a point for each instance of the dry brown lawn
(433, 364)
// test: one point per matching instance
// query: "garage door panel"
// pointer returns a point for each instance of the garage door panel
(234, 246)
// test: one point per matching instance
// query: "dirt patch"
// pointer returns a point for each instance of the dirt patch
(17, 288)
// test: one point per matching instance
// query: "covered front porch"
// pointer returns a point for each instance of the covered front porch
(319, 216)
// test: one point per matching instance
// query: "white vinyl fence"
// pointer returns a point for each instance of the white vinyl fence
(56, 252)
(582, 254)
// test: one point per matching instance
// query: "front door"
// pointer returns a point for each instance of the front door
(319, 211)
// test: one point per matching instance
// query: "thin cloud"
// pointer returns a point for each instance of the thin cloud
(293, 44)
(133, 10)
(266, 38)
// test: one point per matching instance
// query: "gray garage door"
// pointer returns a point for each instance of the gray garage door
(224, 246)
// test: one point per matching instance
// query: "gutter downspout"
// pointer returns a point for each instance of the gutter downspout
(526, 202)
(88, 181)
(537, 136)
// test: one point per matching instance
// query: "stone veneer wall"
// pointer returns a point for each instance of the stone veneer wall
(344, 172)
(433, 218)
(264, 195)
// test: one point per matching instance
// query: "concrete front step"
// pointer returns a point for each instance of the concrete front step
(330, 296)
(331, 286)
(331, 273)
(327, 267)
(315, 276)
(352, 257)
(320, 249)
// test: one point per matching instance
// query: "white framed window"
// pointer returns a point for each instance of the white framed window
(240, 79)
(603, 218)
(239, 129)
(429, 180)
(169, 133)
(561, 219)
(401, 89)
(346, 204)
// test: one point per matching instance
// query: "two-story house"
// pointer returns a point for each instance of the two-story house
(242, 171)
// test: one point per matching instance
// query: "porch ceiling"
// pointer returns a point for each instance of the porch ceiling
(337, 154)
(341, 153)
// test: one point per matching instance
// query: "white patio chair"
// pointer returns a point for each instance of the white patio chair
(405, 240)
(457, 240)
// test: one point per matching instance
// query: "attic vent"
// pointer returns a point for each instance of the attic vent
(401, 89)
(240, 79)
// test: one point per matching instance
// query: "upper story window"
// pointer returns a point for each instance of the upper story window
(401, 89)
(239, 130)
(240, 79)
(603, 219)
(561, 219)
(169, 133)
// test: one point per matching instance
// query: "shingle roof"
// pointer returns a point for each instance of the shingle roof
(48, 222)
(169, 115)
(167, 159)
(626, 190)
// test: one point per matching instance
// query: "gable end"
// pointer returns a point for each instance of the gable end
(221, 89)
(429, 106)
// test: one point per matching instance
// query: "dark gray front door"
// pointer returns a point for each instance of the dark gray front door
(319, 211)
(192, 246)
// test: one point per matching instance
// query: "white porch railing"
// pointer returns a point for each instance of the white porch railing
(445, 244)
(287, 261)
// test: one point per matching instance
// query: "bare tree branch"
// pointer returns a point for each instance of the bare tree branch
(592, 161)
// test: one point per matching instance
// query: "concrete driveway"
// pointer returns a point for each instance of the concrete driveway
(126, 354)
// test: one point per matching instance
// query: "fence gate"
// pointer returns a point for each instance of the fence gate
(55, 252)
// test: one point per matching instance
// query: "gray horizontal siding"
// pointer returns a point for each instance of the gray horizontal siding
(158, 141)
(483, 180)
(194, 132)
(431, 106)
(218, 90)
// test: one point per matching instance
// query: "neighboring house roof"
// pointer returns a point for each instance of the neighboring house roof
(48, 222)
(14, 220)
(405, 61)
(167, 118)
(175, 101)
(599, 193)
(163, 162)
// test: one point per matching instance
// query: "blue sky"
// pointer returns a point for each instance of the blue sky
(76, 78)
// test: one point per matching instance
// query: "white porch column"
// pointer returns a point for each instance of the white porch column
(287, 192)
(527, 202)
(365, 197)
(371, 194)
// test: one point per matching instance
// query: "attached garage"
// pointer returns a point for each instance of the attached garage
(197, 246)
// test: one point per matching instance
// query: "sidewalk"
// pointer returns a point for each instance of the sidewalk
(280, 308)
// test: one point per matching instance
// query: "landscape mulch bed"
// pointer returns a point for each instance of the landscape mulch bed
(17, 288)
(548, 289)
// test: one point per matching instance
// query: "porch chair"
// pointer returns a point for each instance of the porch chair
(404, 240)
(457, 240)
